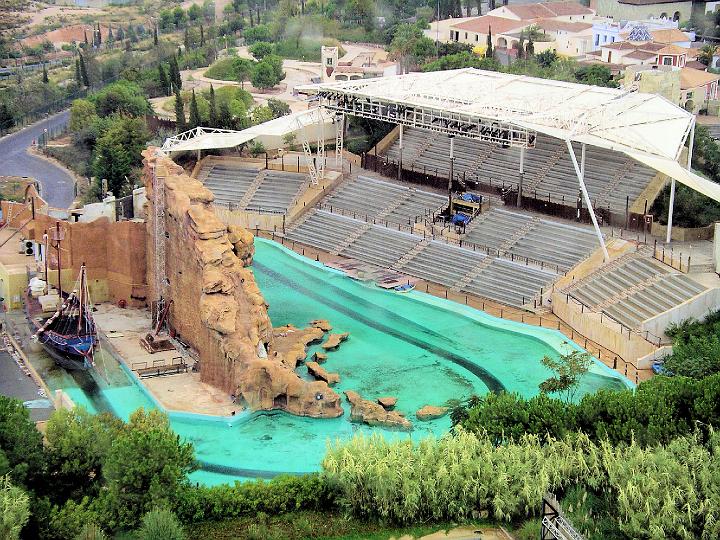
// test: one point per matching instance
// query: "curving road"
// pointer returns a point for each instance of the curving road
(56, 182)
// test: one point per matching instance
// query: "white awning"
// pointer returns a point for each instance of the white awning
(674, 170)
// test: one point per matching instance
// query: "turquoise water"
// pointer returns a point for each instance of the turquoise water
(418, 348)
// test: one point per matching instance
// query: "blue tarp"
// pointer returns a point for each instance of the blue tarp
(460, 219)
(471, 197)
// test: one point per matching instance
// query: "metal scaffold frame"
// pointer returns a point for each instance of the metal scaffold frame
(339, 138)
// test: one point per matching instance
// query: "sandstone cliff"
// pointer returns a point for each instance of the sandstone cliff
(217, 306)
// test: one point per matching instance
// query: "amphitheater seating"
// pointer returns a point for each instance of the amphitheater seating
(553, 243)
(456, 267)
(253, 189)
(635, 289)
(610, 177)
(372, 198)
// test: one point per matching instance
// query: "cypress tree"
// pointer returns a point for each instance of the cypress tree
(45, 79)
(175, 77)
(83, 72)
(164, 81)
(155, 35)
(179, 112)
(521, 46)
(530, 47)
(213, 121)
(78, 77)
(195, 120)
(7, 120)
(225, 119)
(186, 39)
(110, 33)
(202, 36)
(85, 36)
(489, 50)
(120, 33)
(99, 35)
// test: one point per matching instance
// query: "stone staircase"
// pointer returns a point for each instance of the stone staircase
(402, 261)
(357, 233)
(242, 204)
(475, 272)
(533, 182)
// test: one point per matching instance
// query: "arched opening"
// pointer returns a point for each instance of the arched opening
(502, 43)
(341, 77)
(676, 16)
(663, 15)
(514, 44)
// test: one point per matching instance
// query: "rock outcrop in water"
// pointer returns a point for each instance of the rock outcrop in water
(374, 414)
(334, 341)
(430, 412)
(217, 306)
(387, 402)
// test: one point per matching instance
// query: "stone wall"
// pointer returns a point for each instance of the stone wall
(217, 307)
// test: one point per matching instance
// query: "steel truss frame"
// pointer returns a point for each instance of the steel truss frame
(193, 133)
(427, 117)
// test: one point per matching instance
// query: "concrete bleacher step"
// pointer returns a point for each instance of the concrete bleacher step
(242, 204)
(402, 261)
(352, 237)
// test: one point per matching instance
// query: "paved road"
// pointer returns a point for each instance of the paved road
(15, 384)
(56, 182)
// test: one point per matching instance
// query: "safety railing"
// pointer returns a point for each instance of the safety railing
(672, 259)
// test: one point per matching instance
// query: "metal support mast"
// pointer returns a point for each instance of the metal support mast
(580, 172)
(522, 176)
(312, 171)
(320, 144)
(339, 138)
(159, 240)
(672, 183)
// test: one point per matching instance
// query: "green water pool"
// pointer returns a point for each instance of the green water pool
(418, 348)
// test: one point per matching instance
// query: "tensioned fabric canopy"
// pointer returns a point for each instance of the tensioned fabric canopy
(646, 127)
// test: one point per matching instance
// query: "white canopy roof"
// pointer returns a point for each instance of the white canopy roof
(646, 127)
(202, 138)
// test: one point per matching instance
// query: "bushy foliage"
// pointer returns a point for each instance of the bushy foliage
(660, 410)
(146, 466)
(14, 509)
(657, 492)
(160, 524)
(696, 347)
(121, 97)
(21, 450)
(277, 496)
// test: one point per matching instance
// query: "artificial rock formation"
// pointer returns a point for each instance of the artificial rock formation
(290, 343)
(217, 306)
(430, 412)
(334, 341)
(320, 373)
(387, 402)
(374, 414)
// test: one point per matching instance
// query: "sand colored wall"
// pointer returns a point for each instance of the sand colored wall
(113, 252)
(696, 307)
(13, 282)
(629, 347)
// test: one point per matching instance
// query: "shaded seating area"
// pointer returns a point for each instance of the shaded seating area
(258, 190)
(458, 268)
(635, 289)
(556, 244)
(611, 177)
(376, 199)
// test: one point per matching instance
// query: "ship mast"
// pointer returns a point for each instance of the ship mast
(82, 298)
(58, 240)
(46, 241)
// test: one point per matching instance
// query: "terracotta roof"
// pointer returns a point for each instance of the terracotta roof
(641, 55)
(671, 35)
(693, 78)
(594, 53)
(553, 25)
(619, 46)
(649, 2)
(498, 25)
(652, 47)
(548, 9)
(694, 64)
(674, 50)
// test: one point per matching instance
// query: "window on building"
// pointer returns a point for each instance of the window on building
(465, 35)
(676, 16)
(477, 37)
(667, 61)
(597, 40)
(612, 39)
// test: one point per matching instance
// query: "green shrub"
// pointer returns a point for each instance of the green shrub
(14, 509)
(256, 148)
(91, 532)
(160, 524)
(530, 530)
(223, 70)
(277, 496)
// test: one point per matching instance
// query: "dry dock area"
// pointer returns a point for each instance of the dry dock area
(123, 329)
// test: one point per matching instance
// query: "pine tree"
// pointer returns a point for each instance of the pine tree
(179, 112)
(45, 79)
(7, 120)
(195, 120)
(164, 81)
(202, 36)
(155, 36)
(83, 72)
(78, 77)
(489, 49)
